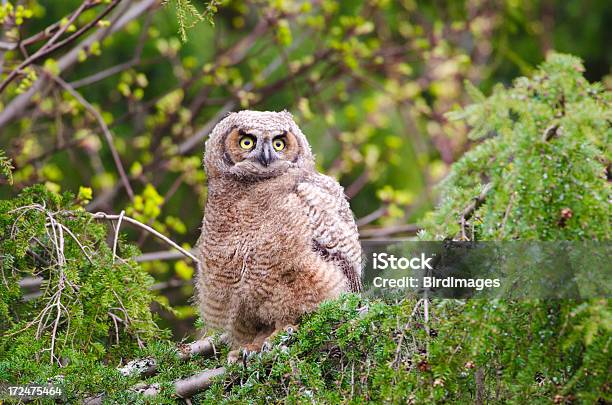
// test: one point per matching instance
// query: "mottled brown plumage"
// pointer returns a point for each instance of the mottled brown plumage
(277, 237)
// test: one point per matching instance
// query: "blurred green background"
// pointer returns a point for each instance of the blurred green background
(369, 82)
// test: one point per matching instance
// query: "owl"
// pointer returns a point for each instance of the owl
(278, 238)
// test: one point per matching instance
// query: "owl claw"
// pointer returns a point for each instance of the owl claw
(289, 331)
(243, 354)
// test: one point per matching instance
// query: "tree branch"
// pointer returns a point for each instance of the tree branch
(107, 134)
(122, 17)
(186, 387)
(388, 230)
(103, 215)
(469, 210)
(50, 47)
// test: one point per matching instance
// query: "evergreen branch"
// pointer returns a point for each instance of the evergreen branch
(186, 387)
(186, 11)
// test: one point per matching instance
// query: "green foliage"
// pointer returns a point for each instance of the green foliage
(6, 167)
(350, 350)
(188, 15)
(93, 306)
(353, 350)
(544, 151)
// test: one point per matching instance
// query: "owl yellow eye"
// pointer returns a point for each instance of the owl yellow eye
(247, 142)
(278, 144)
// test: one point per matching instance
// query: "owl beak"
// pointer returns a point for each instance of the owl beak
(267, 154)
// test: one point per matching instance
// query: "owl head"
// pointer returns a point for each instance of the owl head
(253, 145)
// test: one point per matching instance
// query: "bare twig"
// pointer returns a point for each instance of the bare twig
(103, 215)
(355, 187)
(107, 134)
(116, 238)
(373, 216)
(476, 202)
(73, 236)
(469, 210)
(128, 320)
(388, 230)
(162, 255)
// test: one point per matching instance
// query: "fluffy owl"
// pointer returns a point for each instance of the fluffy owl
(277, 237)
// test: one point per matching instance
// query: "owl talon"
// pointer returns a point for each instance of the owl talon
(266, 347)
(290, 329)
(243, 354)
(248, 355)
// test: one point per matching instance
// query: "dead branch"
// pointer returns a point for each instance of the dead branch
(107, 134)
(388, 230)
(188, 387)
(355, 187)
(103, 215)
(469, 210)
(185, 388)
(116, 238)
(205, 347)
(161, 255)
(373, 216)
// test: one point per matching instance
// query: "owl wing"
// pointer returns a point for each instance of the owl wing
(334, 232)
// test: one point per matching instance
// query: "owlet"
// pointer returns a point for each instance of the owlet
(277, 236)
